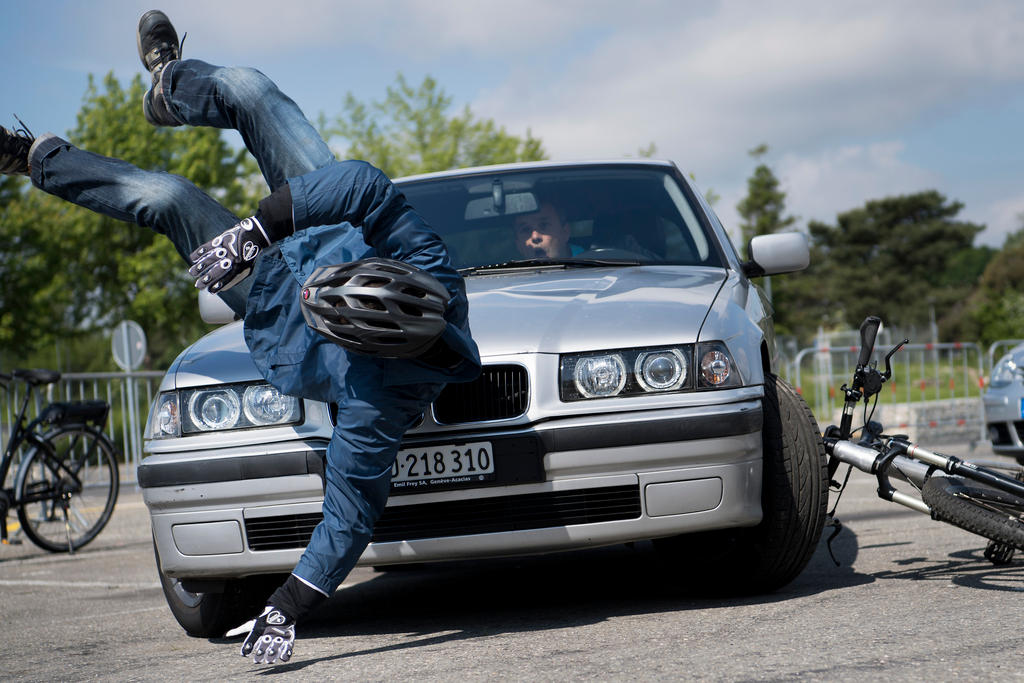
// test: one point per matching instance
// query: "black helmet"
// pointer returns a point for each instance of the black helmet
(376, 306)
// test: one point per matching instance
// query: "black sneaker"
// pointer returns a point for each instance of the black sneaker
(14, 146)
(158, 42)
(154, 108)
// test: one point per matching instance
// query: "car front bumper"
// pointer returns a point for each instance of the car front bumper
(247, 510)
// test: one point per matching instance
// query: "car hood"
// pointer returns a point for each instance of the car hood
(530, 311)
(558, 311)
(219, 357)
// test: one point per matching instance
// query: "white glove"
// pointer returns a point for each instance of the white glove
(271, 639)
(227, 259)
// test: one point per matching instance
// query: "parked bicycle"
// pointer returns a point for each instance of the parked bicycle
(977, 499)
(67, 482)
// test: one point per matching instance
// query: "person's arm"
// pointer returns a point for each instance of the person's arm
(227, 259)
(353, 192)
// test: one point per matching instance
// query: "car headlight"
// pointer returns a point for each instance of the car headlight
(226, 407)
(598, 376)
(212, 410)
(649, 370)
(165, 420)
(661, 370)
(262, 405)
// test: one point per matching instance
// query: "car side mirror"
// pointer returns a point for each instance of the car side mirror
(213, 310)
(777, 253)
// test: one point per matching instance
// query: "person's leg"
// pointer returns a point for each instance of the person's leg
(169, 204)
(274, 129)
(370, 427)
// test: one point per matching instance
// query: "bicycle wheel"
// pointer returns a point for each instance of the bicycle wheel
(977, 508)
(74, 468)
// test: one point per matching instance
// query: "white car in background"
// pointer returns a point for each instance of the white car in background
(627, 393)
(1004, 405)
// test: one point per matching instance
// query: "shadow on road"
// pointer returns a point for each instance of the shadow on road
(442, 603)
(967, 568)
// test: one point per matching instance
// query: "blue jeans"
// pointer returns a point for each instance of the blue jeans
(374, 409)
(272, 126)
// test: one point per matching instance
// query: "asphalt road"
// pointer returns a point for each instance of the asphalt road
(913, 600)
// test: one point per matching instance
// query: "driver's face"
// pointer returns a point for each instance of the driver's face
(542, 234)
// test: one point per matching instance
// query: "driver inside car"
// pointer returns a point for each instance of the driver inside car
(543, 233)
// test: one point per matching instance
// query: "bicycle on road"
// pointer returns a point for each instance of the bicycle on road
(67, 482)
(977, 499)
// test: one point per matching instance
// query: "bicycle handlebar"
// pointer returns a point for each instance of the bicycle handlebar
(866, 380)
(868, 332)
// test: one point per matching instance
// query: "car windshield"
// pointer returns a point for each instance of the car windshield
(564, 217)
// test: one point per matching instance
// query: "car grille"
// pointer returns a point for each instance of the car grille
(463, 517)
(500, 392)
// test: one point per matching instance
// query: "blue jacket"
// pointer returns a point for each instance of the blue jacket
(343, 212)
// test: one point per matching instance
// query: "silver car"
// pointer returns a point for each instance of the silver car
(1004, 405)
(627, 393)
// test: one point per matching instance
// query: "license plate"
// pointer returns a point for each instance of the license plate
(445, 464)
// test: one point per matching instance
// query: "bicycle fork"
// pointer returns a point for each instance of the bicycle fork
(882, 465)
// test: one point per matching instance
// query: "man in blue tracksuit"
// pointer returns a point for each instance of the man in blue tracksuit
(321, 212)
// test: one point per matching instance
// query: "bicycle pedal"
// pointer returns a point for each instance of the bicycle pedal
(999, 553)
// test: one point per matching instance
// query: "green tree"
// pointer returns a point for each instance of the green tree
(647, 152)
(892, 258)
(763, 208)
(801, 304)
(762, 212)
(966, 266)
(70, 273)
(995, 310)
(10, 189)
(1015, 238)
(411, 131)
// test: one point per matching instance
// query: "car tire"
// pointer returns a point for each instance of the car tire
(211, 614)
(794, 497)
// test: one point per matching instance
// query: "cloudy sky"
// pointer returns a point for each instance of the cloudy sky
(857, 100)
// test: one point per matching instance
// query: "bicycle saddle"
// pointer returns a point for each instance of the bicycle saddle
(37, 377)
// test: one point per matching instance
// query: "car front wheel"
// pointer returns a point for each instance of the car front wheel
(794, 496)
(209, 614)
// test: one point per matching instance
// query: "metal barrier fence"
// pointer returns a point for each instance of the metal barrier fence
(129, 394)
(935, 387)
